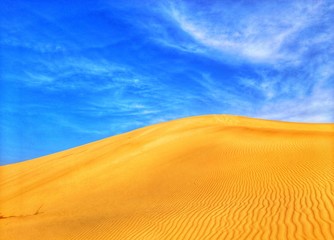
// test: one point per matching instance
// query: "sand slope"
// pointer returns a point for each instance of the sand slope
(209, 177)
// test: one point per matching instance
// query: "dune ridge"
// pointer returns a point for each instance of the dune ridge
(206, 177)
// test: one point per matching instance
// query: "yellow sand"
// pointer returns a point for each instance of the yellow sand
(208, 177)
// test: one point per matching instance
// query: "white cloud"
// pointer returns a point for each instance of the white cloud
(317, 107)
(292, 39)
(82, 74)
(264, 85)
(256, 33)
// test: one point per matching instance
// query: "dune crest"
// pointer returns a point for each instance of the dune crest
(207, 177)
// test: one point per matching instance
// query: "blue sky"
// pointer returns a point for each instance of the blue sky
(72, 72)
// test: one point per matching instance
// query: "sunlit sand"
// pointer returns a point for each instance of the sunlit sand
(208, 177)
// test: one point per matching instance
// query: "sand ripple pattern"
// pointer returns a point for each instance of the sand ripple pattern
(209, 177)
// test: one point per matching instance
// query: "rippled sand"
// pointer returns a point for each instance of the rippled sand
(208, 177)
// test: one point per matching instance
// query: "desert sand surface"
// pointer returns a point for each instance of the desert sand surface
(206, 177)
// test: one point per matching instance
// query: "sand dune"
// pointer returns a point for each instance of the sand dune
(209, 177)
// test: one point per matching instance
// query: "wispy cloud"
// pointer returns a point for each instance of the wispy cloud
(287, 44)
(318, 107)
(259, 32)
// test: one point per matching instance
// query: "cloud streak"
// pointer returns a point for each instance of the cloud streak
(287, 44)
(258, 32)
